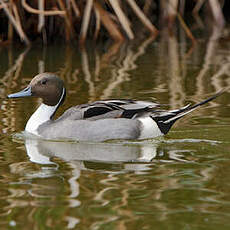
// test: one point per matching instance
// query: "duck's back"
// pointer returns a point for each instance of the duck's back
(108, 109)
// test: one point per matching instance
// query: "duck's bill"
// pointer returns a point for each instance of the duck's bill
(24, 93)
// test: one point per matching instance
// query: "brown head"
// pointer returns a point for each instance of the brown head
(47, 86)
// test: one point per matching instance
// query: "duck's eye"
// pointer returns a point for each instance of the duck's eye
(43, 82)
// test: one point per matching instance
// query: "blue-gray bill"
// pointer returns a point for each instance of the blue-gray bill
(24, 93)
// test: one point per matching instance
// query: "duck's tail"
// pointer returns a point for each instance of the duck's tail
(165, 120)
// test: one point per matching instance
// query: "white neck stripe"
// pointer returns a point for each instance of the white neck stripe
(42, 115)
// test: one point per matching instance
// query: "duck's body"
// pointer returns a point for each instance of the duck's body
(97, 121)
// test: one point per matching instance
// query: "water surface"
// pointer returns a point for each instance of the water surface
(175, 182)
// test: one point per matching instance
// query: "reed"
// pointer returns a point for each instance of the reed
(99, 19)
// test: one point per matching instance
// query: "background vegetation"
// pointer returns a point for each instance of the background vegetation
(78, 20)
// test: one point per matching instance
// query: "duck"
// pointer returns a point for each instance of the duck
(103, 120)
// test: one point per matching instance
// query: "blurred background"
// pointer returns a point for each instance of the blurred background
(101, 20)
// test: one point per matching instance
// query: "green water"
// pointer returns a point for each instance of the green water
(180, 181)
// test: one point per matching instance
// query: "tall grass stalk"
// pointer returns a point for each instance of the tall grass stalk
(100, 19)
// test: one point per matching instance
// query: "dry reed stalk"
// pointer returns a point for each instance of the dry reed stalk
(199, 21)
(186, 29)
(41, 17)
(85, 21)
(217, 12)
(16, 14)
(16, 24)
(75, 8)
(122, 18)
(10, 26)
(171, 11)
(182, 7)
(98, 23)
(15, 11)
(10, 32)
(68, 29)
(108, 23)
(142, 16)
(17, 17)
(46, 13)
(197, 7)
(69, 16)
(147, 6)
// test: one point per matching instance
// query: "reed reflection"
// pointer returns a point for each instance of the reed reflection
(111, 160)
(43, 187)
(93, 185)
(121, 172)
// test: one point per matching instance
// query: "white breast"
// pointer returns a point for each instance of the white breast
(149, 128)
(41, 115)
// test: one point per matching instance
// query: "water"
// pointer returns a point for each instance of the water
(175, 182)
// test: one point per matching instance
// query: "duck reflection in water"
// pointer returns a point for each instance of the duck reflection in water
(126, 153)
(42, 151)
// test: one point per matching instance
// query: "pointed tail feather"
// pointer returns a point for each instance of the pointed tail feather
(190, 108)
(166, 120)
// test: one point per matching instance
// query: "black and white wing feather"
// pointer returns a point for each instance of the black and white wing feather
(110, 109)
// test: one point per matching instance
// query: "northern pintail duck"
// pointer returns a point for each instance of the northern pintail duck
(97, 121)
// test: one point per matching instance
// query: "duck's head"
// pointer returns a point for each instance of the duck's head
(47, 86)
